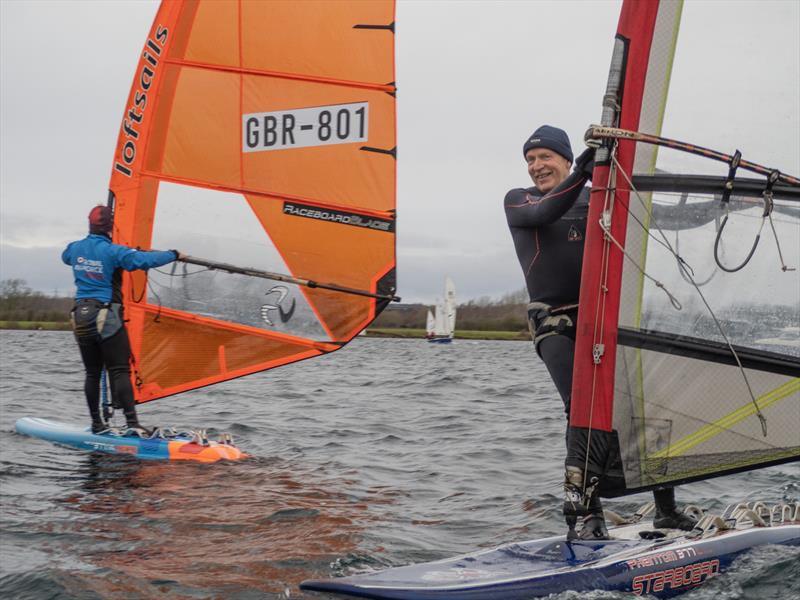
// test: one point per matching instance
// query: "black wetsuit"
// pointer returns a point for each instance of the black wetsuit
(548, 233)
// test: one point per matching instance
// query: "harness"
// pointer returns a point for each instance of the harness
(545, 320)
(92, 319)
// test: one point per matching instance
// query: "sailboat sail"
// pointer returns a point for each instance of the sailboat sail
(259, 135)
(441, 324)
(687, 360)
(440, 320)
(430, 325)
(450, 305)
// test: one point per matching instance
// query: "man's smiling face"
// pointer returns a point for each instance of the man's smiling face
(547, 168)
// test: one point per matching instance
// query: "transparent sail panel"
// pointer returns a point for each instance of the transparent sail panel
(221, 227)
(757, 306)
(680, 418)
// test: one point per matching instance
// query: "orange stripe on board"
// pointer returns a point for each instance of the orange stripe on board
(204, 454)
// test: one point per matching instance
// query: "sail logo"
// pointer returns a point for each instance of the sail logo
(305, 127)
(132, 121)
(337, 216)
(282, 292)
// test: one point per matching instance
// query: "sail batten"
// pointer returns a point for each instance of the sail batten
(389, 87)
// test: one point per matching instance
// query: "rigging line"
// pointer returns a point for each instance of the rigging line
(767, 199)
(718, 241)
(760, 415)
(767, 214)
(285, 278)
(665, 243)
(784, 268)
(157, 318)
(184, 274)
(740, 215)
(596, 132)
(672, 299)
(682, 203)
(768, 207)
(680, 261)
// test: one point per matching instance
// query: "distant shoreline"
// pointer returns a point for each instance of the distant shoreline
(36, 325)
(459, 335)
(371, 332)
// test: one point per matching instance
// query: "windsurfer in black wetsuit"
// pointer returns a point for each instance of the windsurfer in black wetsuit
(97, 318)
(548, 226)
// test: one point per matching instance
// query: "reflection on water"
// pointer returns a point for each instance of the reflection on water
(251, 525)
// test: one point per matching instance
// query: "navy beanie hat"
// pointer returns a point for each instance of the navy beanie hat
(100, 220)
(549, 137)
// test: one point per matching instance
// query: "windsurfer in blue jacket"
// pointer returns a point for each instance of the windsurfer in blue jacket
(548, 227)
(97, 318)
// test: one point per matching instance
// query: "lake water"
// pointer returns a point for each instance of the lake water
(385, 453)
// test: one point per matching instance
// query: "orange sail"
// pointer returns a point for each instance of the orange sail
(259, 135)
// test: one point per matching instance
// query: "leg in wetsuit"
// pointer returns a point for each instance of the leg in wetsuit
(557, 351)
(554, 340)
(114, 353)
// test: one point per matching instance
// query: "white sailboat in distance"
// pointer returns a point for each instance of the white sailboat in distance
(441, 324)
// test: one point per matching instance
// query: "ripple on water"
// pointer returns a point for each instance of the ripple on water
(395, 453)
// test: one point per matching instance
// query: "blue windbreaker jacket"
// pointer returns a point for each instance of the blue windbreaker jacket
(95, 258)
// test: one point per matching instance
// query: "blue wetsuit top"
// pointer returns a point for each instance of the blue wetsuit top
(95, 258)
(548, 232)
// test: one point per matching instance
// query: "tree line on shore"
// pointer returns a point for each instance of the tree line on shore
(19, 303)
(508, 313)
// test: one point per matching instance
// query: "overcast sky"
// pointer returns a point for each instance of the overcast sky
(474, 80)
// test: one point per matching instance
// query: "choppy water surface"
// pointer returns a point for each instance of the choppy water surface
(385, 453)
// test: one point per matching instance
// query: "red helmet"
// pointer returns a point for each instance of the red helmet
(100, 220)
